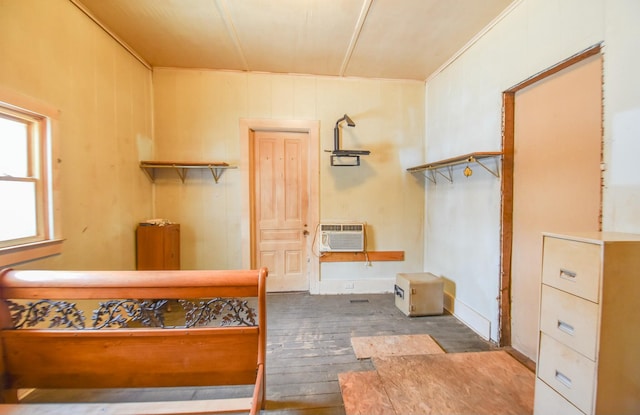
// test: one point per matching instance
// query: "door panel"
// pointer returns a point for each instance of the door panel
(556, 179)
(281, 208)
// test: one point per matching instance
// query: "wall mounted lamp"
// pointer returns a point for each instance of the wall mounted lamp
(345, 157)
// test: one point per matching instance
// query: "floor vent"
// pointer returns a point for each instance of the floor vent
(358, 301)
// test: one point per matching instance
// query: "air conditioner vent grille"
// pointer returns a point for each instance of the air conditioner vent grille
(355, 227)
(338, 237)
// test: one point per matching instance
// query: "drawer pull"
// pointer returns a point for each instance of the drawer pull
(567, 275)
(566, 328)
(564, 379)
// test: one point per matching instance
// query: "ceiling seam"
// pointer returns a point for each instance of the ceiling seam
(231, 30)
(115, 37)
(475, 39)
(366, 5)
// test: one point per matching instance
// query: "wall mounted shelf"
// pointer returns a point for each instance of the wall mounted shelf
(445, 167)
(181, 168)
(362, 256)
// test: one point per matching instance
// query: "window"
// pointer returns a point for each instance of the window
(27, 210)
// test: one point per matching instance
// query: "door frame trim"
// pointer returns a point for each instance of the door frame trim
(508, 144)
(248, 127)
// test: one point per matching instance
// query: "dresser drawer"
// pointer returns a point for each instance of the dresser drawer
(549, 402)
(567, 372)
(572, 266)
(569, 319)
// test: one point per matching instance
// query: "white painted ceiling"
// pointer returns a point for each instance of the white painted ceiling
(392, 39)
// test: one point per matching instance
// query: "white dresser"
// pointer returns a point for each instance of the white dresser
(589, 339)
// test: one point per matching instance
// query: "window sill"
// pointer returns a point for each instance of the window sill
(29, 252)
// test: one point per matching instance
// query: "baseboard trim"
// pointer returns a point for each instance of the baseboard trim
(468, 316)
(368, 286)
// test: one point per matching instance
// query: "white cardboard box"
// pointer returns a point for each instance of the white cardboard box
(419, 294)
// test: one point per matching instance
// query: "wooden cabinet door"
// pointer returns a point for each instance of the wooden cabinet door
(171, 242)
(158, 247)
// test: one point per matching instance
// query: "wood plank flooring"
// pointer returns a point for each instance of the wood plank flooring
(476, 383)
(309, 344)
(403, 345)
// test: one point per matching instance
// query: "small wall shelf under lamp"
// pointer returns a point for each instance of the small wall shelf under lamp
(345, 157)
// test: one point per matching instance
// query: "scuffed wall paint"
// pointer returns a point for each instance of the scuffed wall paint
(197, 117)
(52, 52)
(464, 115)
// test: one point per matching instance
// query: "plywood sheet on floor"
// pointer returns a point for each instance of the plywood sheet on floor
(363, 394)
(457, 383)
(377, 346)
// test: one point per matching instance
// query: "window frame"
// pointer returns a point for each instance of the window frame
(42, 153)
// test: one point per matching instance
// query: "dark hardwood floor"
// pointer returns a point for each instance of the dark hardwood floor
(309, 344)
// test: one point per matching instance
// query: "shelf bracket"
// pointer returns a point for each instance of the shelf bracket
(449, 177)
(151, 174)
(431, 176)
(182, 172)
(495, 173)
(216, 172)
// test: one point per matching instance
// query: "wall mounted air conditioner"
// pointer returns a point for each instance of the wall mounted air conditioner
(341, 237)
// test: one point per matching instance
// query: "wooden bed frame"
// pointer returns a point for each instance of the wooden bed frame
(111, 354)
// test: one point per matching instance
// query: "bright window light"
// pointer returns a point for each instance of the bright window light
(20, 179)
(29, 210)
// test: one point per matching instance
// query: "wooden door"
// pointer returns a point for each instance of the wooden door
(280, 195)
(556, 178)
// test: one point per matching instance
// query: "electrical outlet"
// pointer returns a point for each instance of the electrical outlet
(348, 285)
